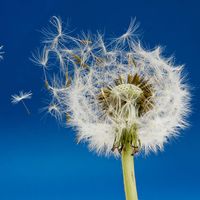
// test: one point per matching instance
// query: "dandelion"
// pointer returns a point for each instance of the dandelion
(57, 37)
(1, 52)
(15, 99)
(121, 98)
(54, 110)
(129, 36)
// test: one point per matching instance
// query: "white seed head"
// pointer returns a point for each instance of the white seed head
(109, 88)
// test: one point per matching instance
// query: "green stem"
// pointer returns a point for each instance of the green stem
(129, 174)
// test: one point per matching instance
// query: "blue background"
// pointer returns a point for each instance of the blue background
(39, 159)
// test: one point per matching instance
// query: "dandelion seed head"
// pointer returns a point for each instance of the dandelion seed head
(107, 88)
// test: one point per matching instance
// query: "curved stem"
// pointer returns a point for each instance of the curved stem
(129, 174)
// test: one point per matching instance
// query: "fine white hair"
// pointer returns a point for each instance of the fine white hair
(93, 64)
(22, 96)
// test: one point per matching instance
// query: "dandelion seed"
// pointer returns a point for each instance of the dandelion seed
(41, 59)
(20, 98)
(129, 36)
(1, 52)
(54, 39)
(55, 111)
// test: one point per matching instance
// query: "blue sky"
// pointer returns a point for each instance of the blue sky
(39, 159)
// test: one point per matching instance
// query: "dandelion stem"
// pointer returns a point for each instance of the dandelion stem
(26, 107)
(129, 174)
(45, 75)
